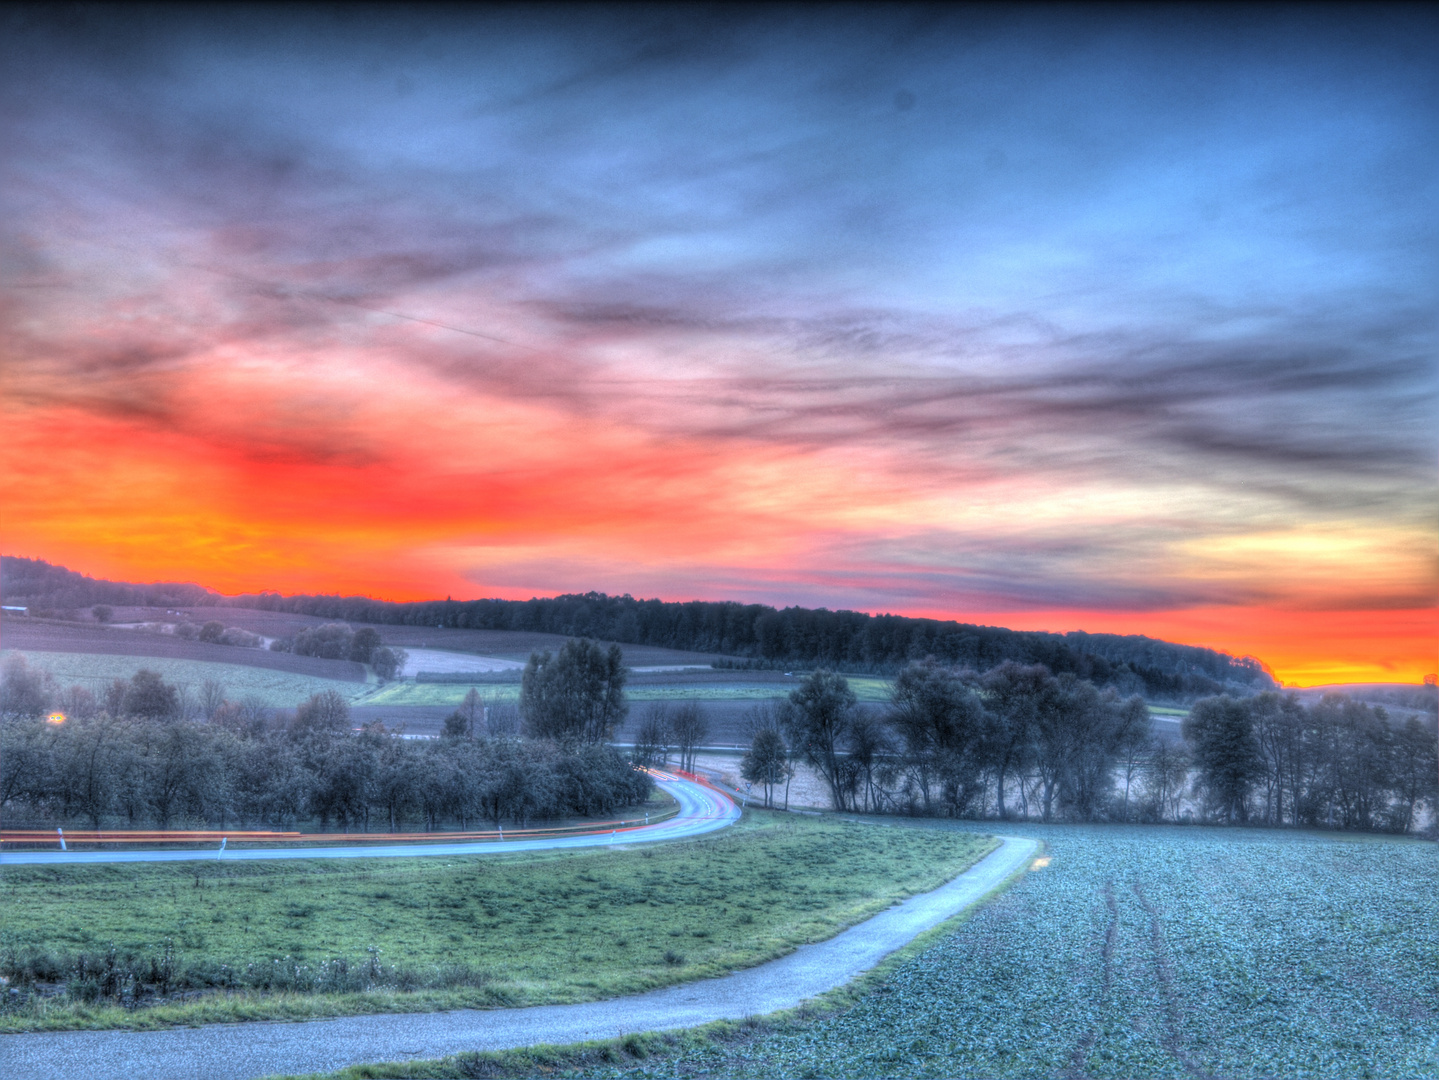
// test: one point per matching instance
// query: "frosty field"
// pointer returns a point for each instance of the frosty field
(1136, 952)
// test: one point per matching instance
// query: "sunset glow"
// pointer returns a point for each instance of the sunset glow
(1068, 322)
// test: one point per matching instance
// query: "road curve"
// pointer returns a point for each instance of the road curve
(702, 809)
(243, 1051)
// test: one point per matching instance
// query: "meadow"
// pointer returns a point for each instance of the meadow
(154, 945)
(276, 689)
(1134, 952)
(449, 694)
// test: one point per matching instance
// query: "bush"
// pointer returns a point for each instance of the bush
(388, 661)
(150, 697)
(329, 642)
(233, 635)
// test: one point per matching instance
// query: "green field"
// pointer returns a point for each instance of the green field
(278, 689)
(297, 939)
(451, 694)
(445, 694)
(1137, 952)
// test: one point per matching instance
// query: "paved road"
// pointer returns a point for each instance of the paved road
(702, 809)
(242, 1051)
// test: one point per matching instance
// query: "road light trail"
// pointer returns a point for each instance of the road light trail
(702, 809)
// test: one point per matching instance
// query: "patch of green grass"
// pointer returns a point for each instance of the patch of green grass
(443, 694)
(451, 694)
(275, 688)
(867, 688)
(1134, 952)
(376, 935)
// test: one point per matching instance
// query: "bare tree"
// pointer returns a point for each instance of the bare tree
(1132, 743)
(388, 661)
(1012, 695)
(766, 762)
(690, 727)
(869, 745)
(817, 720)
(1220, 731)
(652, 742)
(473, 709)
(79, 703)
(1165, 774)
(502, 719)
(23, 689)
(149, 697)
(212, 696)
(942, 722)
(326, 712)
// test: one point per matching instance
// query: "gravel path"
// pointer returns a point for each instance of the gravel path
(240, 1051)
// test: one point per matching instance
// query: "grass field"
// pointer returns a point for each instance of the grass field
(450, 694)
(274, 688)
(335, 937)
(406, 694)
(1136, 952)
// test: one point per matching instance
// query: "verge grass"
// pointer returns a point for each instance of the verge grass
(299, 940)
(1133, 952)
(275, 688)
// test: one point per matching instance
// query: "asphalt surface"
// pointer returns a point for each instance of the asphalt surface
(702, 809)
(242, 1051)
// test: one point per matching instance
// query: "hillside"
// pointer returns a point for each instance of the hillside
(748, 635)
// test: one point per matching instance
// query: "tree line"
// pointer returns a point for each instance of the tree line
(132, 757)
(1019, 740)
(337, 641)
(759, 634)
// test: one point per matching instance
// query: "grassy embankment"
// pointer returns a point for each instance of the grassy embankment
(279, 689)
(332, 938)
(1134, 952)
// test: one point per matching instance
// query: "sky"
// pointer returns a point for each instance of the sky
(1052, 318)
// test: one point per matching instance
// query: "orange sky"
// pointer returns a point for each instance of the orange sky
(583, 506)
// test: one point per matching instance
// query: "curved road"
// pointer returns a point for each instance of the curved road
(242, 1051)
(702, 809)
